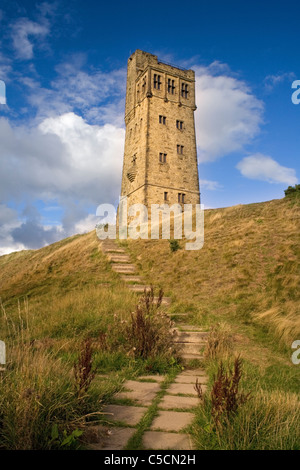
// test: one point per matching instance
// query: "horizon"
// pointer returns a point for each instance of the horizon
(62, 99)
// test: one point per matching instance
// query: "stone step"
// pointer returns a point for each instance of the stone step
(140, 392)
(109, 438)
(191, 379)
(183, 327)
(179, 315)
(193, 373)
(190, 337)
(116, 258)
(191, 357)
(191, 348)
(113, 249)
(165, 300)
(170, 402)
(172, 420)
(166, 440)
(139, 289)
(181, 389)
(131, 278)
(130, 415)
(124, 268)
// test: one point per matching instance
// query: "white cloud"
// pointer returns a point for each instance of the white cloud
(64, 159)
(25, 33)
(210, 185)
(96, 95)
(228, 115)
(264, 168)
(271, 81)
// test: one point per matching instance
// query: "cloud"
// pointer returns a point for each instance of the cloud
(25, 34)
(32, 233)
(228, 115)
(8, 222)
(96, 95)
(210, 185)
(271, 81)
(264, 168)
(65, 160)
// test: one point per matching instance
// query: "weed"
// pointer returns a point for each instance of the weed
(225, 396)
(83, 368)
(149, 332)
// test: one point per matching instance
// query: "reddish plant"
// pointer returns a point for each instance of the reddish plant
(225, 396)
(83, 367)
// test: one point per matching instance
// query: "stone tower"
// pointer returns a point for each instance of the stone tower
(160, 158)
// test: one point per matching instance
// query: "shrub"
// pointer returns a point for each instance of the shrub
(149, 332)
(174, 245)
(292, 190)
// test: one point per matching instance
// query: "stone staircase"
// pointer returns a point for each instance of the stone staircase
(174, 407)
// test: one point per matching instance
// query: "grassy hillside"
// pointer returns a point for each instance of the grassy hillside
(248, 269)
(244, 283)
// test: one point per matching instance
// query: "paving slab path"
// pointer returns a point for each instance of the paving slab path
(172, 402)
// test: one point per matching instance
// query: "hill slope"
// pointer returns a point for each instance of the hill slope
(249, 267)
(246, 277)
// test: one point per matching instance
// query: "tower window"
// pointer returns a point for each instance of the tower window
(165, 196)
(181, 197)
(162, 157)
(179, 125)
(180, 149)
(171, 86)
(184, 90)
(162, 119)
(157, 81)
(144, 84)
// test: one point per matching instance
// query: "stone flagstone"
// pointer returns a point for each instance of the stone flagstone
(190, 379)
(172, 420)
(141, 392)
(157, 378)
(170, 402)
(114, 439)
(130, 415)
(166, 440)
(184, 389)
(193, 372)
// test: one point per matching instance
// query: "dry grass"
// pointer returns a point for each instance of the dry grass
(250, 263)
(219, 342)
(269, 421)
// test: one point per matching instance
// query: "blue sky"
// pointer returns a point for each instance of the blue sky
(63, 64)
